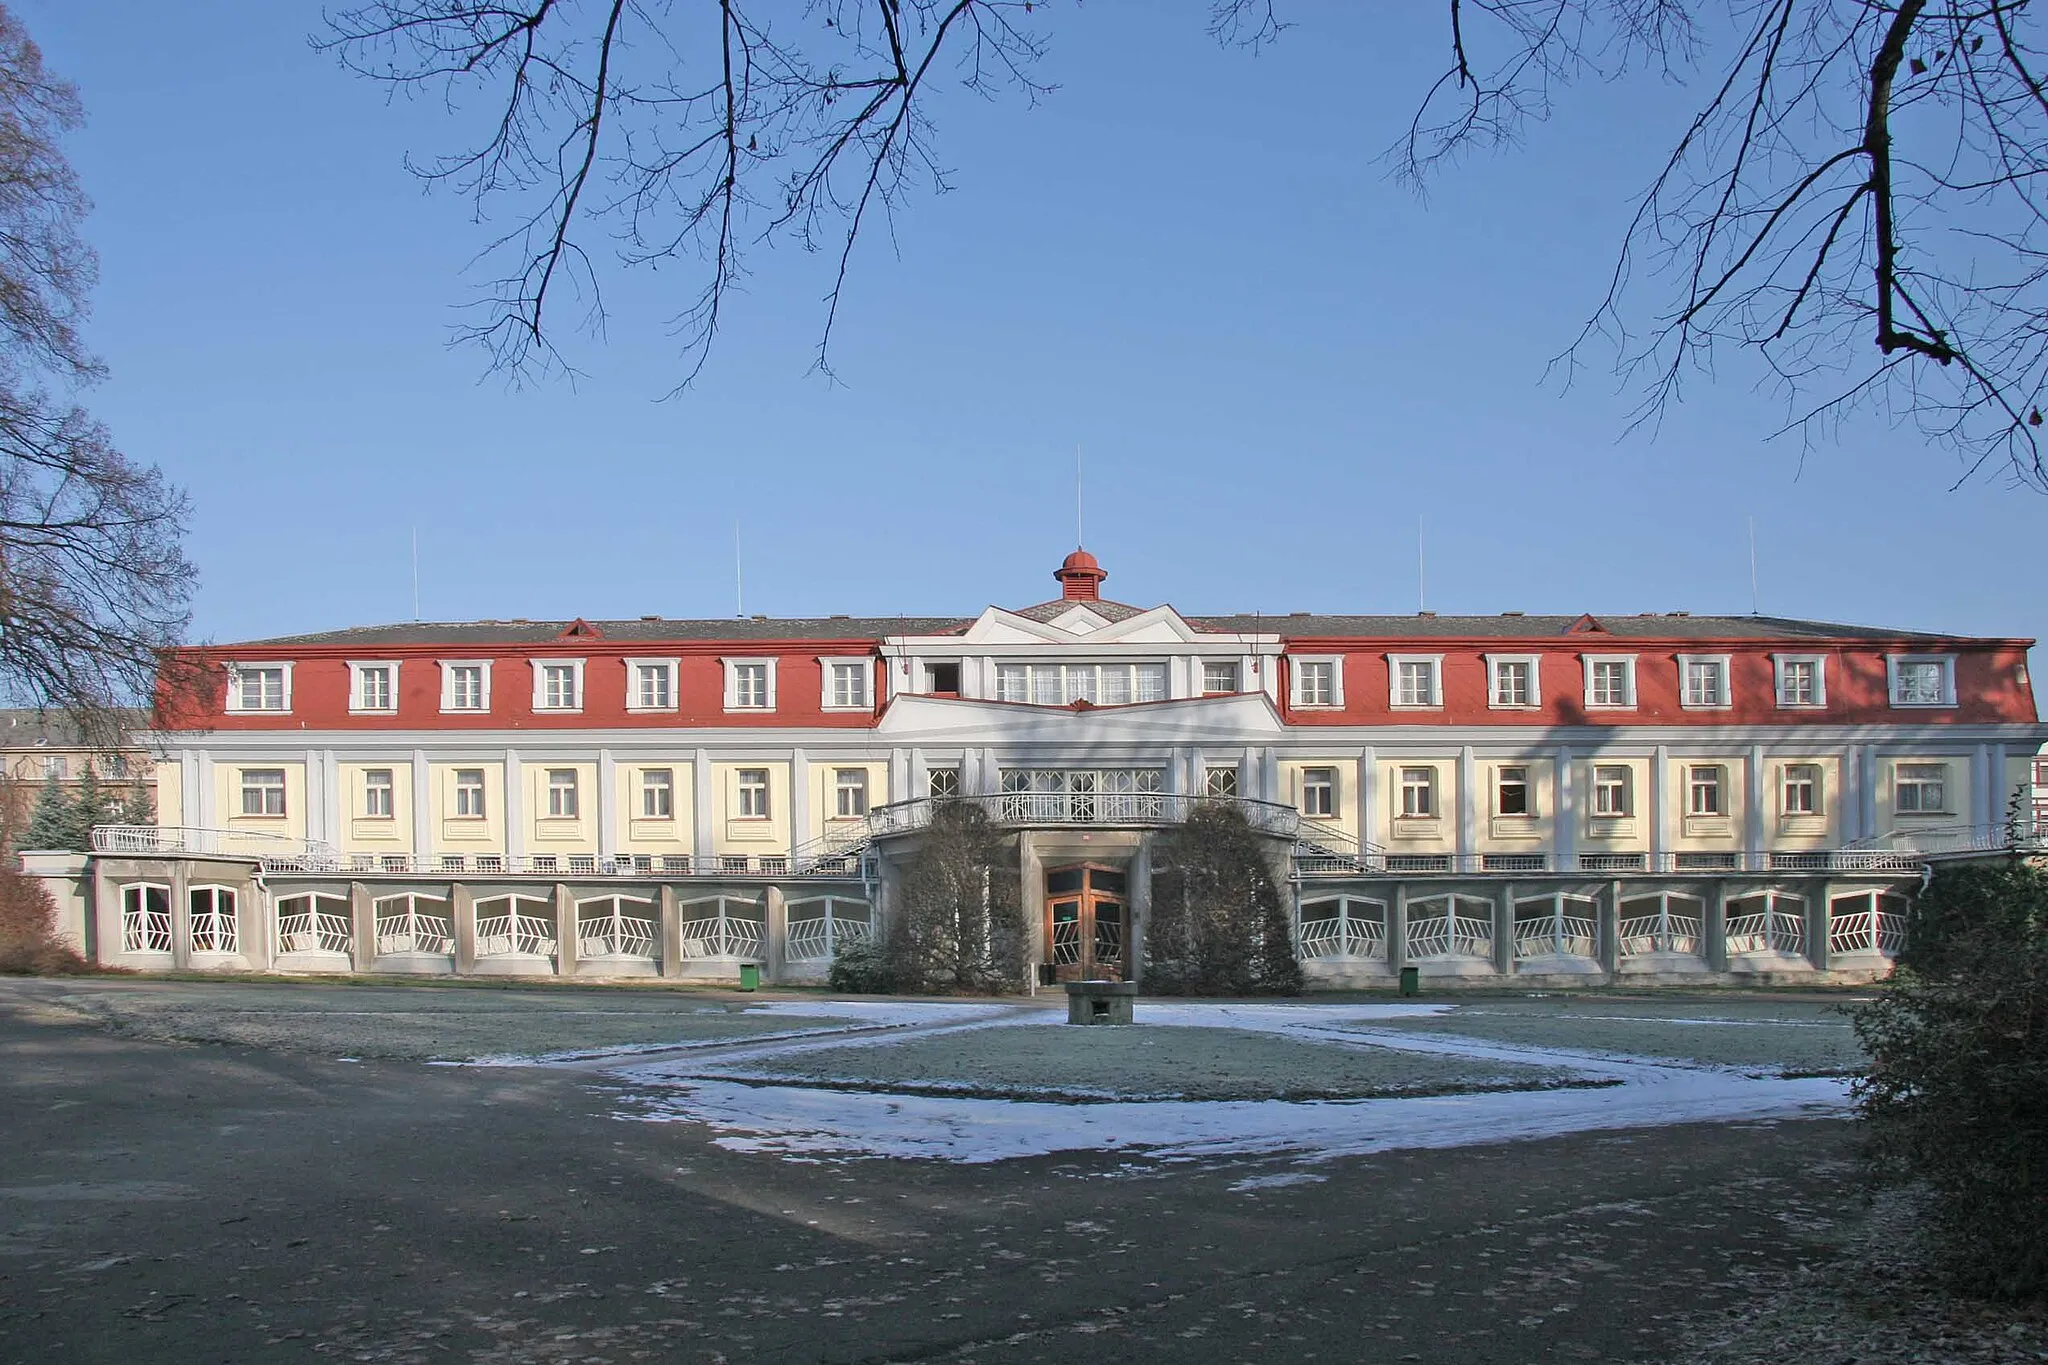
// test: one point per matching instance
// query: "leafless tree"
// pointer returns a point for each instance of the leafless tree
(93, 582)
(1857, 200)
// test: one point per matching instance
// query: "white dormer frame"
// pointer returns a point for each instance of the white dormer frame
(234, 692)
(356, 669)
(826, 666)
(1587, 670)
(1820, 681)
(1892, 664)
(448, 667)
(1294, 667)
(1726, 701)
(732, 693)
(1436, 682)
(540, 667)
(675, 684)
(1493, 663)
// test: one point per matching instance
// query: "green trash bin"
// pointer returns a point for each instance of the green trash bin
(1411, 981)
(750, 976)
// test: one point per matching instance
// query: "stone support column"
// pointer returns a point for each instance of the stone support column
(565, 930)
(703, 810)
(1504, 930)
(1031, 892)
(1715, 913)
(1140, 909)
(607, 804)
(1566, 826)
(1867, 761)
(1468, 810)
(1397, 929)
(801, 827)
(362, 928)
(671, 932)
(1368, 794)
(775, 934)
(462, 919)
(515, 806)
(1660, 806)
(1820, 908)
(181, 915)
(422, 810)
(104, 944)
(1607, 935)
(254, 925)
(1753, 770)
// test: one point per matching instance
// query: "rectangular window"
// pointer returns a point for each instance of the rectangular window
(558, 687)
(263, 791)
(56, 767)
(1921, 682)
(1611, 792)
(1148, 682)
(1315, 683)
(260, 689)
(1318, 791)
(1612, 683)
(1047, 689)
(1511, 792)
(657, 794)
(562, 796)
(654, 686)
(1703, 791)
(1013, 683)
(1801, 790)
(1219, 782)
(1514, 682)
(465, 687)
(753, 786)
(374, 691)
(377, 795)
(1418, 793)
(850, 684)
(750, 686)
(1921, 789)
(469, 793)
(115, 765)
(850, 793)
(1083, 684)
(1219, 676)
(942, 784)
(1798, 682)
(1706, 682)
(1415, 682)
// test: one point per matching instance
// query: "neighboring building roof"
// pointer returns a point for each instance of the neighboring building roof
(23, 728)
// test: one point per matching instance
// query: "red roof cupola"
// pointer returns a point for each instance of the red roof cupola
(1080, 577)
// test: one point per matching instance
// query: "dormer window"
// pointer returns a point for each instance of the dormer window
(1220, 677)
(651, 684)
(1513, 683)
(1065, 684)
(1703, 682)
(1415, 680)
(1802, 680)
(373, 688)
(558, 685)
(1922, 679)
(1318, 682)
(259, 687)
(942, 679)
(847, 684)
(750, 684)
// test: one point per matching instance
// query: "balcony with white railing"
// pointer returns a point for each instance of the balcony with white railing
(1100, 809)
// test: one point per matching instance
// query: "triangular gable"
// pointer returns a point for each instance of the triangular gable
(580, 629)
(1587, 624)
(996, 627)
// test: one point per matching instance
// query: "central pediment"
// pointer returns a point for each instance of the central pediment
(1078, 623)
(1193, 720)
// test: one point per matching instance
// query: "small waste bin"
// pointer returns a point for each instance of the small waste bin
(750, 976)
(1411, 981)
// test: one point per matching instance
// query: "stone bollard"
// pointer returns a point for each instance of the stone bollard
(1101, 1002)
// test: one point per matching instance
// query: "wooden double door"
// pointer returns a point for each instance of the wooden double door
(1087, 922)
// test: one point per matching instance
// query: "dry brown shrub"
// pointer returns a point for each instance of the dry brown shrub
(29, 944)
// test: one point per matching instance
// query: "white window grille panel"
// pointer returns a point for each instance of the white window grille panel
(145, 918)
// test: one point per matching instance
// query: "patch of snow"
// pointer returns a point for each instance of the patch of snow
(1278, 1180)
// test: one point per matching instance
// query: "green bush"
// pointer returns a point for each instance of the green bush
(958, 924)
(1955, 1101)
(1219, 923)
(861, 969)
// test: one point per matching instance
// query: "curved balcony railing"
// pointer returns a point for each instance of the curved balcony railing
(193, 839)
(1132, 809)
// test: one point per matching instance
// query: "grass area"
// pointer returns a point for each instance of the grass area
(1790, 1037)
(1148, 1062)
(406, 1022)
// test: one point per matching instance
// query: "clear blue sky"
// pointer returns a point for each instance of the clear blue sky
(1187, 261)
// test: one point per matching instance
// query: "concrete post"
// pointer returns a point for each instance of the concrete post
(1397, 929)
(1820, 907)
(702, 811)
(1659, 812)
(1716, 928)
(1140, 909)
(671, 932)
(565, 930)
(1607, 937)
(1031, 903)
(1468, 810)
(253, 924)
(775, 935)
(1753, 809)
(103, 943)
(362, 928)
(1504, 931)
(462, 916)
(1566, 827)
(181, 915)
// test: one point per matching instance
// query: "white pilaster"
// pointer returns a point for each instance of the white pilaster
(422, 807)
(1867, 761)
(1368, 794)
(701, 796)
(1846, 804)
(800, 796)
(330, 783)
(2001, 785)
(200, 811)
(920, 779)
(1567, 826)
(1989, 810)
(1468, 804)
(316, 795)
(1753, 806)
(607, 803)
(515, 806)
(1659, 812)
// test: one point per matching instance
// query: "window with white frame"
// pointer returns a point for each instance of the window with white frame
(558, 685)
(1319, 791)
(1317, 682)
(1703, 681)
(260, 687)
(1802, 679)
(377, 793)
(1219, 677)
(1418, 794)
(465, 685)
(469, 793)
(56, 767)
(1013, 683)
(1511, 791)
(847, 684)
(1613, 791)
(753, 793)
(1799, 790)
(263, 791)
(563, 797)
(850, 793)
(657, 793)
(651, 684)
(1098, 684)
(1610, 681)
(1922, 679)
(1705, 785)
(373, 687)
(1415, 679)
(1220, 782)
(750, 684)
(1513, 681)
(942, 784)
(1920, 789)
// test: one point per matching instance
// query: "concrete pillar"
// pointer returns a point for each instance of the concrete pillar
(1867, 761)
(462, 919)
(1139, 909)
(1659, 812)
(671, 932)
(1504, 930)
(515, 806)
(181, 915)
(775, 934)
(702, 809)
(103, 943)
(1844, 805)
(1397, 928)
(422, 810)
(1716, 928)
(802, 829)
(1753, 770)
(1820, 904)
(330, 782)
(565, 930)
(362, 928)
(607, 804)
(2001, 788)
(1031, 902)
(1468, 810)
(1607, 935)
(253, 926)
(1566, 827)
(1368, 794)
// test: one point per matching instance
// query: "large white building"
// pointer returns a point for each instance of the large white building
(1657, 796)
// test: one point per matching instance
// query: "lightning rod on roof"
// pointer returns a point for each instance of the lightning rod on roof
(1421, 569)
(1754, 598)
(739, 584)
(1079, 539)
(415, 573)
